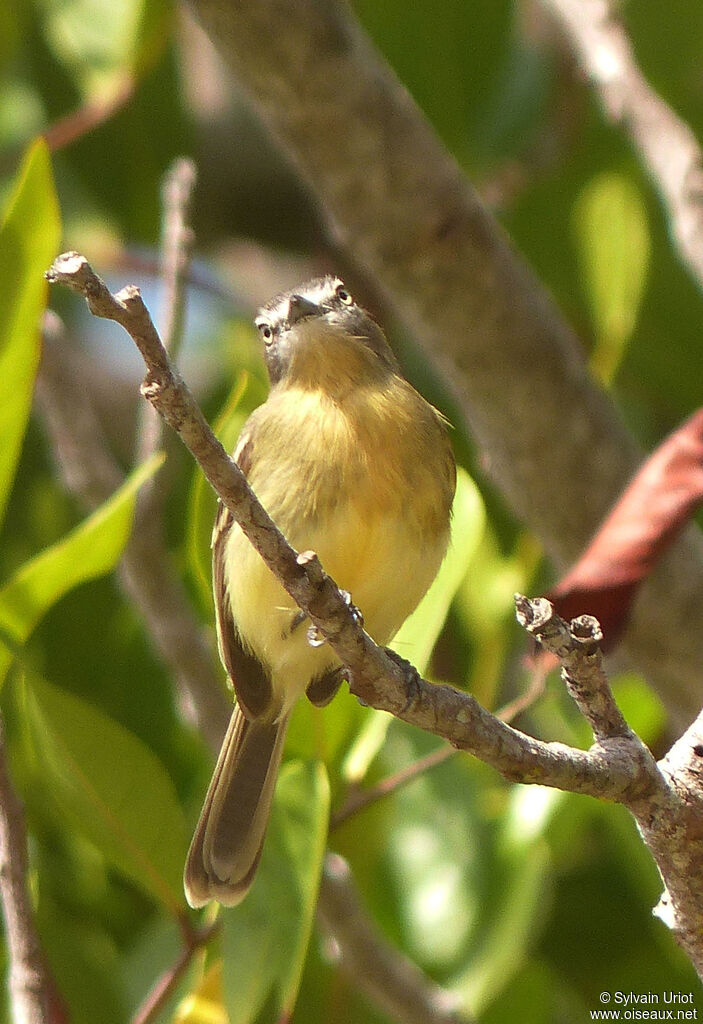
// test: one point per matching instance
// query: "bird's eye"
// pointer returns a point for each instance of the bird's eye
(343, 295)
(266, 332)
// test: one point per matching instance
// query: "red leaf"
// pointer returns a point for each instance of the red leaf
(658, 502)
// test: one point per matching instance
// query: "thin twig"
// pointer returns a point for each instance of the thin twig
(385, 976)
(615, 771)
(667, 146)
(176, 252)
(167, 983)
(89, 116)
(32, 990)
(358, 800)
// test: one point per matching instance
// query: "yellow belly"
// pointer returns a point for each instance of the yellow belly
(374, 508)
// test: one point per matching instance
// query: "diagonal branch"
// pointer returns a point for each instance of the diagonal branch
(93, 474)
(392, 982)
(667, 146)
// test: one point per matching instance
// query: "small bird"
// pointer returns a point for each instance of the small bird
(352, 463)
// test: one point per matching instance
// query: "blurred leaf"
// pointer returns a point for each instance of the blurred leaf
(205, 1004)
(153, 28)
(29, 239)
(610, 221)
(85, 963)
(642, 708)
(99, 42)
(505, 943)
(265, 940)
(659, 500)
(90, 550)
(111, 787)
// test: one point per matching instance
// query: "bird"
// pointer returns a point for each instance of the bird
(351, 462)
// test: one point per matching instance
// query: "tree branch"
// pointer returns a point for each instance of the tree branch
(669, 810)
(32, 990)
(403, 210)
(388, 979)
(164, 988)
(671, 825)
(667, 146)
(176, 251)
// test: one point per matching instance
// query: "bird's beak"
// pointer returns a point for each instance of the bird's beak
(299, 308)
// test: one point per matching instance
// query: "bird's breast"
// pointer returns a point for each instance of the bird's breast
(363, 484)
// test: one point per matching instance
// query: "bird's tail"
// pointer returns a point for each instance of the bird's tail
(226, 847)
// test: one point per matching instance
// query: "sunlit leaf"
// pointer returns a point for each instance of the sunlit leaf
(265, 939)
(98, 42)
(521, 863)
(505, 943)
(111, 787)
(90, 550)
(29, 239)
(643, 710)
(205, 1004)
(610, 220)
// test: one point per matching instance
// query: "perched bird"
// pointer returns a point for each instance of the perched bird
(351, 462)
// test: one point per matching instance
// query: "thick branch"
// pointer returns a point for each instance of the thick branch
(608, 771)
(667, 146)
(392, 982)
(404, 212)
(671, 826)
(669, 810)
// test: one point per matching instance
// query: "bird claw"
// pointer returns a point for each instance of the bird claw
(353, 610)
(316, 637)
(411, 678)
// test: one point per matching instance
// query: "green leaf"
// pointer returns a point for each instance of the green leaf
(521, 868)
(111, 787)
(643, 710)
(98, 42)
(610, 222)
(265, 940)
(90, 550)
(29, 239)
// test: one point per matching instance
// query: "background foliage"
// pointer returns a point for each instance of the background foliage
(528, 903)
